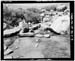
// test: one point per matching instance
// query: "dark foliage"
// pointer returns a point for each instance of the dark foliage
(49, 8)
(32, 15)
(13, 17)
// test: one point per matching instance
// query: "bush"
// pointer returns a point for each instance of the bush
(13, 17)
(48, 8)
(32, 15)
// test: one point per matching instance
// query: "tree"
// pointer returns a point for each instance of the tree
(35, 10)
(48, 8)
(32, 16)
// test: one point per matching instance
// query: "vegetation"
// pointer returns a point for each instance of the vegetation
(59, 46)
(13, 17)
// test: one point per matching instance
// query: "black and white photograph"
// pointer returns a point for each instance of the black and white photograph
(36, 30)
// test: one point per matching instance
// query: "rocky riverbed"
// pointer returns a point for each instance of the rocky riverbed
(37, 32)
(53, 47)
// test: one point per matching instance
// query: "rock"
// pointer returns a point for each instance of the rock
(29, 34)
(7, 57)
(62, 7)
(23, 24)
(5, 47)
(36, 45)
(8, 42)
(7, 51)
(61, 24)
(36, 31)
(38, 35)
(11, 31)
(15, 45)
(46, 35)
(4, 25)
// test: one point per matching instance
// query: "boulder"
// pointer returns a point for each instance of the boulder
(61, 7)
(7, 51)
(4, 25)
(46, 35)
(11, 31)
(8, 57)
(61, 24)
(38, 35)
(28, 34)
(5, 47)
(36, 31)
